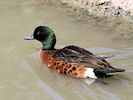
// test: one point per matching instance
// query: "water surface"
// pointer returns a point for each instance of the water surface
(24, 77)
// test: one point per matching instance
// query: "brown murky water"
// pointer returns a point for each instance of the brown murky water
(24, 77)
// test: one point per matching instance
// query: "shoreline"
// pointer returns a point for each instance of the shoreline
(104, 8)
(104, 14)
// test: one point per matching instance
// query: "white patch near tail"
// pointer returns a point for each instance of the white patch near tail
(89, 73)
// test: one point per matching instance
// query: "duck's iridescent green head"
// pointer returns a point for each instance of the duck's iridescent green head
(45, 35)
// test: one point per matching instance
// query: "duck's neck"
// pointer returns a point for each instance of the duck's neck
(49, 42)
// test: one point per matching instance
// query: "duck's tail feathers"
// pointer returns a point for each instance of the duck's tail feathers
(103, 73)
(116, 71)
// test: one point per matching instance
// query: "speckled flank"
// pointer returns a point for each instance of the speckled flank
(69, 69)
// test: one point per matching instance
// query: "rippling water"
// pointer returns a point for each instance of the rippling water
(24, 77)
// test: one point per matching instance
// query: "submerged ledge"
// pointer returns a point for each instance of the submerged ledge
(117, 14)
(110, 8)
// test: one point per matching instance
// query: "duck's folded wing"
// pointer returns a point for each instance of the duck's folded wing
(74, 54)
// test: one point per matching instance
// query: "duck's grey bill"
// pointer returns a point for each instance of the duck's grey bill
(29, 37)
